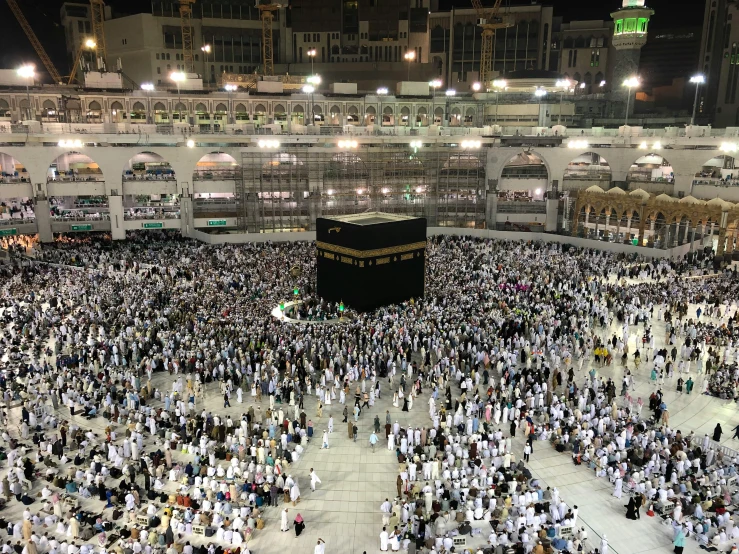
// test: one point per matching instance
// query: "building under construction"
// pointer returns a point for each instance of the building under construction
(287, 189)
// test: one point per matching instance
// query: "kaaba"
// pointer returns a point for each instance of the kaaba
(371, 259)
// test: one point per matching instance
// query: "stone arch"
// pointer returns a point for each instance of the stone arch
(278, 109)
(12, 170)
(214, 165)
(718, 167)
(160, 107)
(74, 166)
(647, 167)
(589, 166)
(221, 108)
(138, 107)
(116, 106)
(148, 165)
(201, 108)
(94, 106)
(517, 166)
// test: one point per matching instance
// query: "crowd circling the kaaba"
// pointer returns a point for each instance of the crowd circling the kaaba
(505, 354)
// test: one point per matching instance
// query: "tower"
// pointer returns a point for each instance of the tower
(630, 25)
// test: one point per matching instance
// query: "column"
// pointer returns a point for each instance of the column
(627, 234)
(187, 223)
(43, 221)
(491, 210)
(692, 239)
(552, 214)
(721, 242)
(314, 209)
(642, 225)
(117, 228)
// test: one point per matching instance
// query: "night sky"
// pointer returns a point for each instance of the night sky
(43, 15)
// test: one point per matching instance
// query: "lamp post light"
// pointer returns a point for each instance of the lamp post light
(563, 84)
(206, 48)
(540, 93)
(230, 88)
(410, 56)
(310, 89)
(311, 55)
(27, 72)
(697, 80)
(178, 77)
(498, 85)
(148, 87)
(436, 83)
(629, 83)
(382, 91)
(450, 93)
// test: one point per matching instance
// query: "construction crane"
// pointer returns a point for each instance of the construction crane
(489, 21)
(34, 41)
(89, 44)
(186, 23)
(267, 12)
(97, 10)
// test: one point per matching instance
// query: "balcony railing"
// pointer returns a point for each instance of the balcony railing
(508, 207)
(215, 175)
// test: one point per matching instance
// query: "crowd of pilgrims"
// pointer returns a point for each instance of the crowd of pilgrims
(501, 337)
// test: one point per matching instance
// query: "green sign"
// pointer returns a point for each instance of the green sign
(8, 232)
(635, 241)
(84, 227)
(216, 223)
(153, 225)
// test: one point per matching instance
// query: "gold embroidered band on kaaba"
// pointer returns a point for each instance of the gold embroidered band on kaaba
(371, 253)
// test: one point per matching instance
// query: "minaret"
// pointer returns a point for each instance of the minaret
(630, 25)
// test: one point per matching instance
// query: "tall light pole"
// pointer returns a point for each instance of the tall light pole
(311, 54)
(476, 87)
(450, 93)
(697, 80)
(206, 50)
(410, 56)
(178, 77)
(310, 89)
(629, 83)
(382, 91)
(498, 85)
(436, 83)
(540, 93)
(563, 84)
(148, 87)
(27, 72)
(313, 82)
(230, 89)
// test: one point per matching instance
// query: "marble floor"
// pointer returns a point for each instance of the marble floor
(344, 510)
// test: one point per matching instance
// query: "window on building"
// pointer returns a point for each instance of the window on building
(157, 54)
(642, 24)
(619, 26)
(81, 26)
(574, 59)
(630, 25)
(159, 70)
(169, 68)
(167, 55)
(569, 58)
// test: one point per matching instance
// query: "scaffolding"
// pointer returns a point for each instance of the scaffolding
(287, 190)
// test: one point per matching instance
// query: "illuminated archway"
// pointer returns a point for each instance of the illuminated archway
(651, 168)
